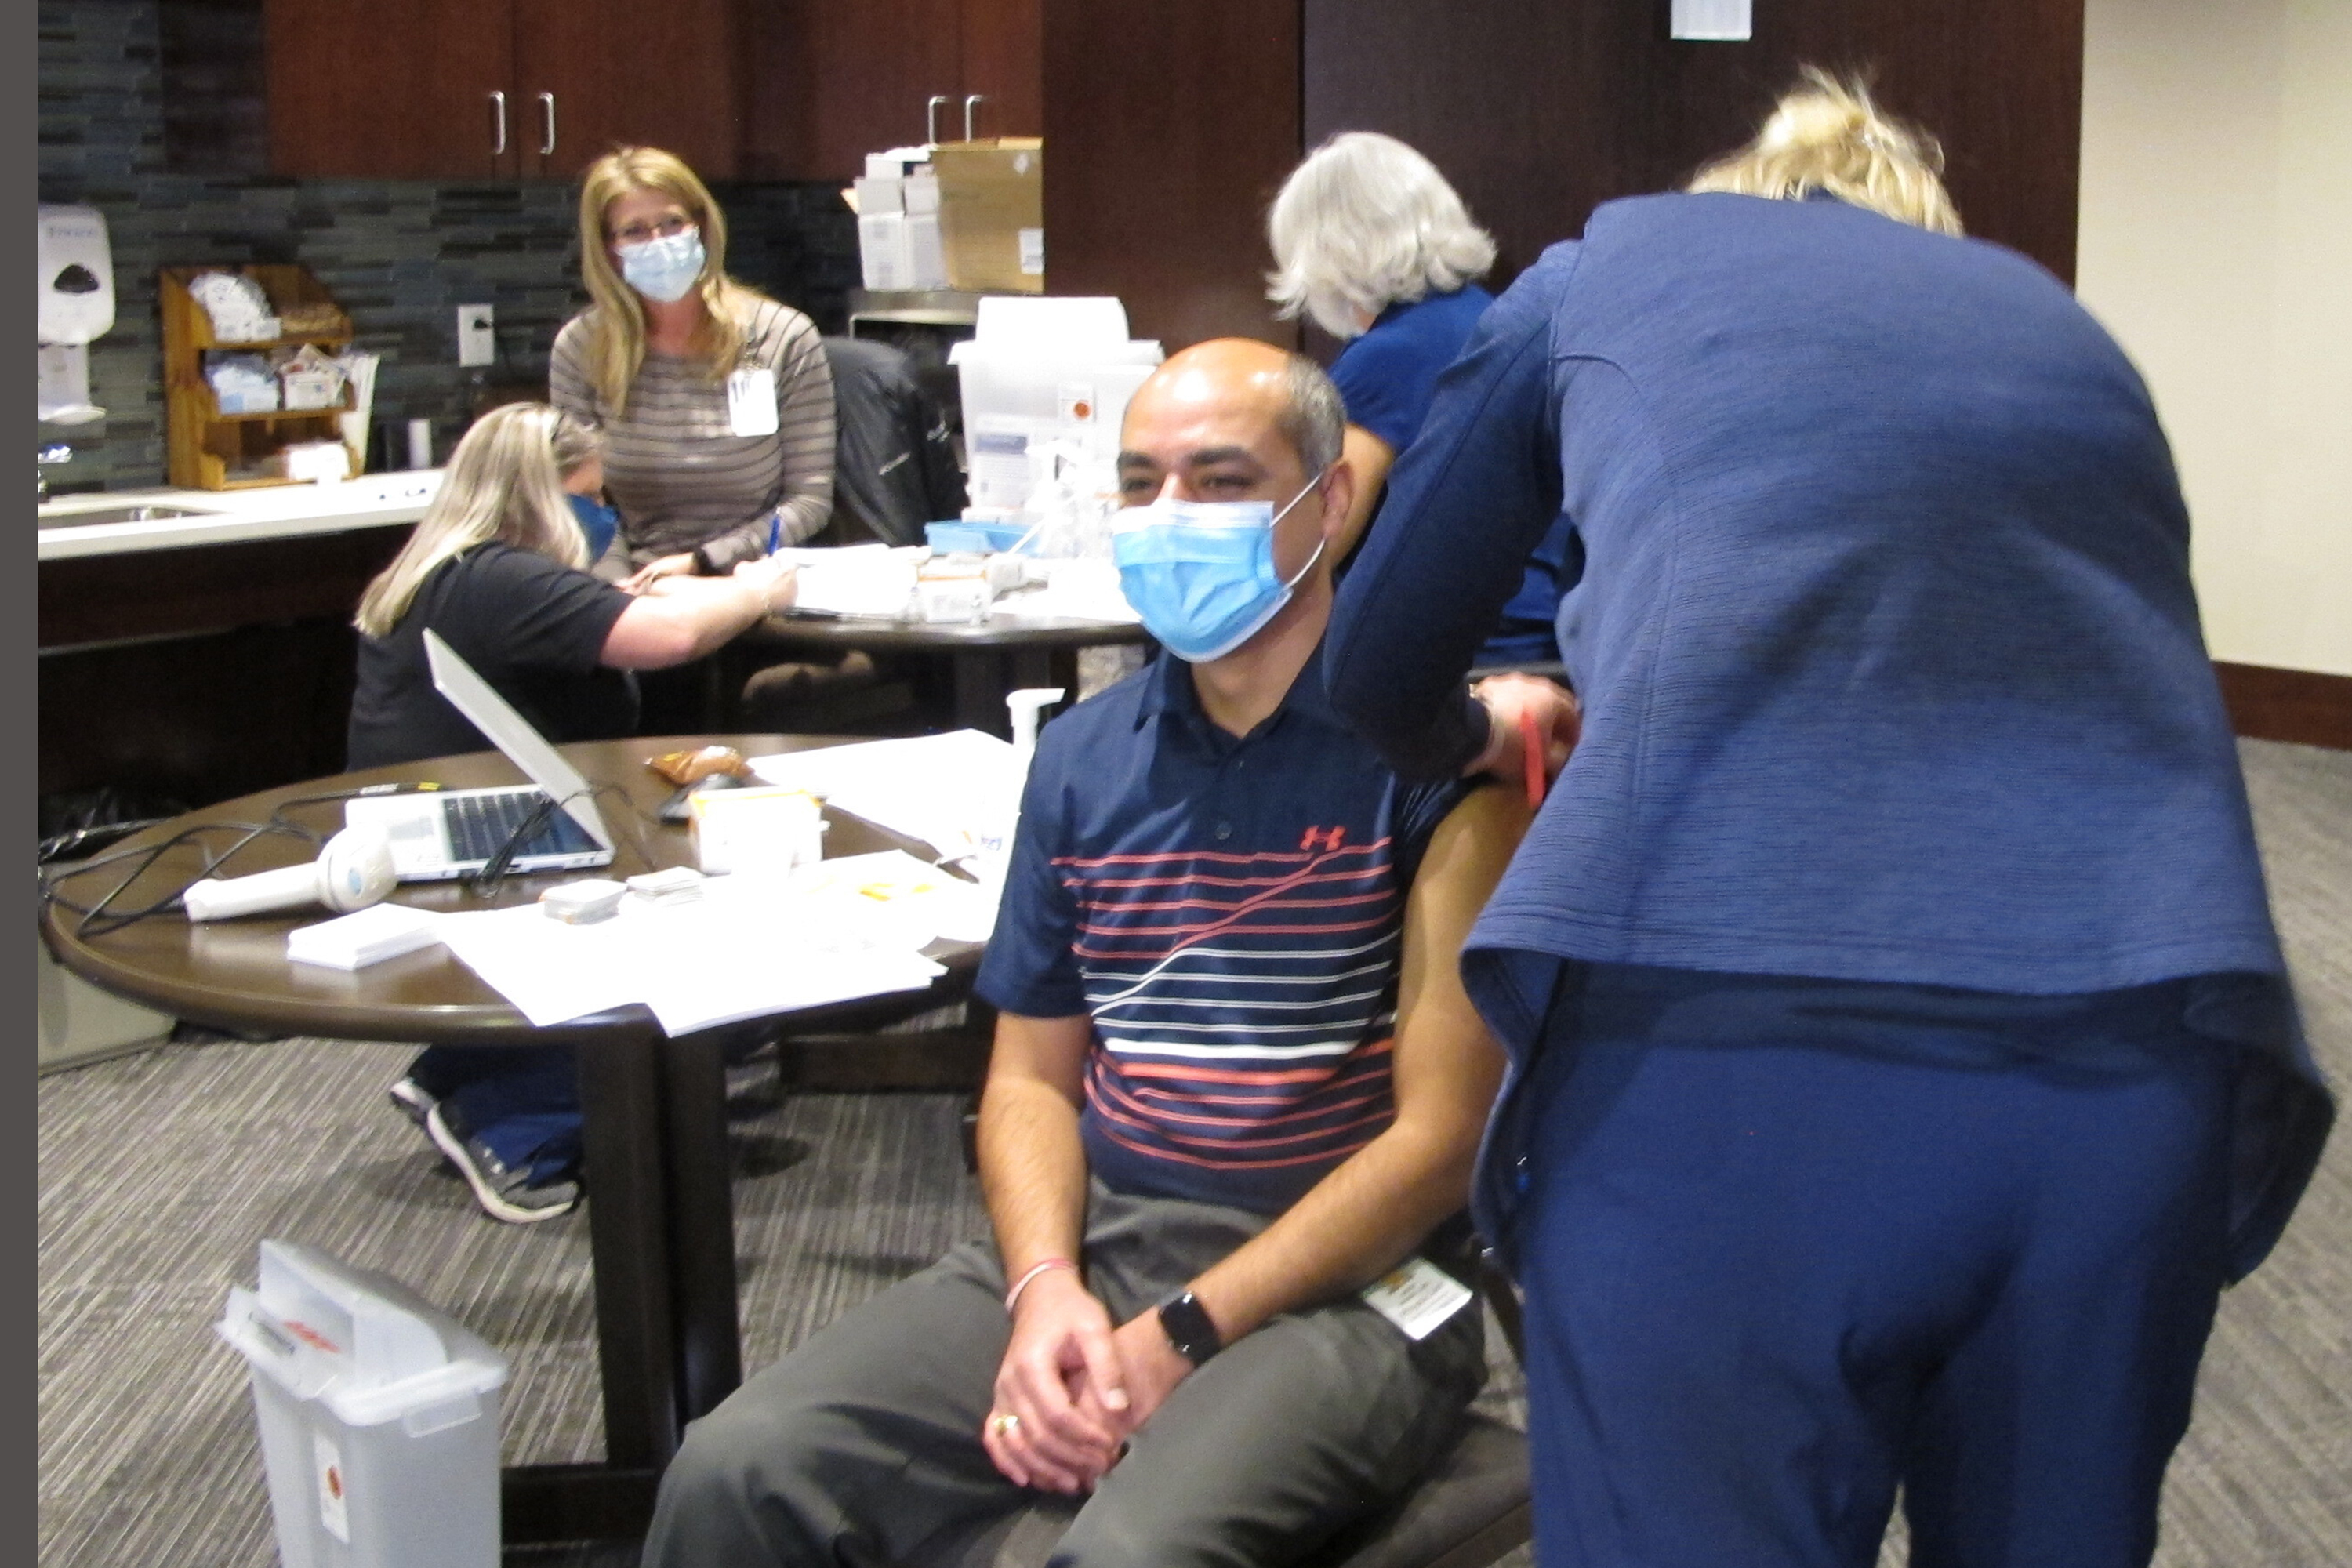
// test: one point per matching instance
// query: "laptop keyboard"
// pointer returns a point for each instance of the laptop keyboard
(479, 826)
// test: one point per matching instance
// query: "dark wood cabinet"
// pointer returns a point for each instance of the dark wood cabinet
(854, 79)
(596, 74)
(397, 89)
(1173, 122)
(505, 89)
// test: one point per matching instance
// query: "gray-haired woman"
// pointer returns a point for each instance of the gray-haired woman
(1372, 244)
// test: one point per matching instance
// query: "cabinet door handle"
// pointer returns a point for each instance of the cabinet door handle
(499, 123)
(547, 107)
(932, 119)
(969, 102)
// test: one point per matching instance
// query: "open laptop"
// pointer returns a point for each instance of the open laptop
(442, 836)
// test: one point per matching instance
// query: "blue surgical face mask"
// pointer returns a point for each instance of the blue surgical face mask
(597, 522)
(1201, 573)
(663, 269)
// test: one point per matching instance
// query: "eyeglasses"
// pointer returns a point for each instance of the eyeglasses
(668, 227)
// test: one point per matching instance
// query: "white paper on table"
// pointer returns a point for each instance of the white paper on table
(959, 792)
(547, 971)
(750, 946)
(868, 582)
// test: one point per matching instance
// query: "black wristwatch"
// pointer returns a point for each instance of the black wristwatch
(1189, 1327)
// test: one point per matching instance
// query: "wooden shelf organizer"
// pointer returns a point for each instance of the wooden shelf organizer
(206, 446)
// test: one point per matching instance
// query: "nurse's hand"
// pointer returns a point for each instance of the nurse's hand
(668, 566)
(1549, 708)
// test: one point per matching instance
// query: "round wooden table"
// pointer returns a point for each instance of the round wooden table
(661, 1209)
(987, 659)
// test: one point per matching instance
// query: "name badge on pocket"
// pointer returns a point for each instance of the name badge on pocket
(1417, 1296)
(752, 401)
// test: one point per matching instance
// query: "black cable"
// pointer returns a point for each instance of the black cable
(485, 881)
(100, 918)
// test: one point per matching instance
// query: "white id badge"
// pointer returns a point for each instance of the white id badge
(1417, 1296)
(752, 401)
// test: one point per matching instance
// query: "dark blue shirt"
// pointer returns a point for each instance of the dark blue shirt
(1230, 912)
(1387, 378)
(1890, 662)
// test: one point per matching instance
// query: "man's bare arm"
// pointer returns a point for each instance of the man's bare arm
(1358, 1222)
(1033, 1170)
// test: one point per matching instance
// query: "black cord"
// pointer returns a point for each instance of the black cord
(100, 918)
(494, 870)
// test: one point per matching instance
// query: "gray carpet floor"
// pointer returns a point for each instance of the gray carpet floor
(161, 1174)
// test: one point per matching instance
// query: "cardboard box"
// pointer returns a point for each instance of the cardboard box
(993, 213)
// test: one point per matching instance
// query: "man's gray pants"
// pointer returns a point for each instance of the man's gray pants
(861, 1448)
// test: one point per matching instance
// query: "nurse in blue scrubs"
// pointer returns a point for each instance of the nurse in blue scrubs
(1902, 1056)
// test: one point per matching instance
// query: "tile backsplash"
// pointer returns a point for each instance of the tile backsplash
(400, 255)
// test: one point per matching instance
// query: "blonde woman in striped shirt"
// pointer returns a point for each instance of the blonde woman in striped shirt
(714, 400)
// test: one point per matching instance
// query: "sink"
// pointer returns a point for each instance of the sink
(94, 515)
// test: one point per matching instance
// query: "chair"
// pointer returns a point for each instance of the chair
(894, 471)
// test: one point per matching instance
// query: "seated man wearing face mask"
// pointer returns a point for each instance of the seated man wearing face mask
(1235, 1082)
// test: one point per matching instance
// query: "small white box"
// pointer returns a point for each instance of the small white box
(882, 251)
(764, 828)
(670, 885)
(877, 197)
(368, 936)
(926, 259)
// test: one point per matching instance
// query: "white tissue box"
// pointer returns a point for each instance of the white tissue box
(368, 936)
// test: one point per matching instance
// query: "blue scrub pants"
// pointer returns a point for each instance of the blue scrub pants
(1768, 1279)
(523, 1101)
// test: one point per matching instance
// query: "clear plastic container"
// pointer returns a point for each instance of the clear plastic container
(379, 1416)
(1039, 370)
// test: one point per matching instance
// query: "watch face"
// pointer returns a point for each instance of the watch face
(1189, 1327)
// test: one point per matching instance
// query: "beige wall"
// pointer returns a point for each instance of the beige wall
(2216, 246)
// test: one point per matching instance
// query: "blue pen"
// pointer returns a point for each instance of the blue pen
(775, 531)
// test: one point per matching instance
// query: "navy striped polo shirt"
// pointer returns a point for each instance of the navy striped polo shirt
(1229, 911)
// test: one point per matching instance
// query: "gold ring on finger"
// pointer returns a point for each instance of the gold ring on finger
(1006, 1424)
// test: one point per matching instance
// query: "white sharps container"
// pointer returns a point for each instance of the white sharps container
(379, 1416)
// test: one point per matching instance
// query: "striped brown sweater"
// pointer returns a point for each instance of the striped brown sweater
(678, 476)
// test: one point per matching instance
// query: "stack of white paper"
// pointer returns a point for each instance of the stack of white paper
(860, 581)
(750, 946)
(368, 936)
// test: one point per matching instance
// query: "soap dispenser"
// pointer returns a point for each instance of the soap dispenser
(77, 306)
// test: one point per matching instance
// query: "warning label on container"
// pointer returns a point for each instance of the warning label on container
(334, 1508)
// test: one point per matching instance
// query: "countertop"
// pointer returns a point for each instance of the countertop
(228, 517)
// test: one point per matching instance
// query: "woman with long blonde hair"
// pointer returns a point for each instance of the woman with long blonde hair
(1903, 1058)
(715, 401)
(495, 568)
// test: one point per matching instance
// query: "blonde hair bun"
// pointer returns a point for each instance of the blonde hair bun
(1827, 135)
